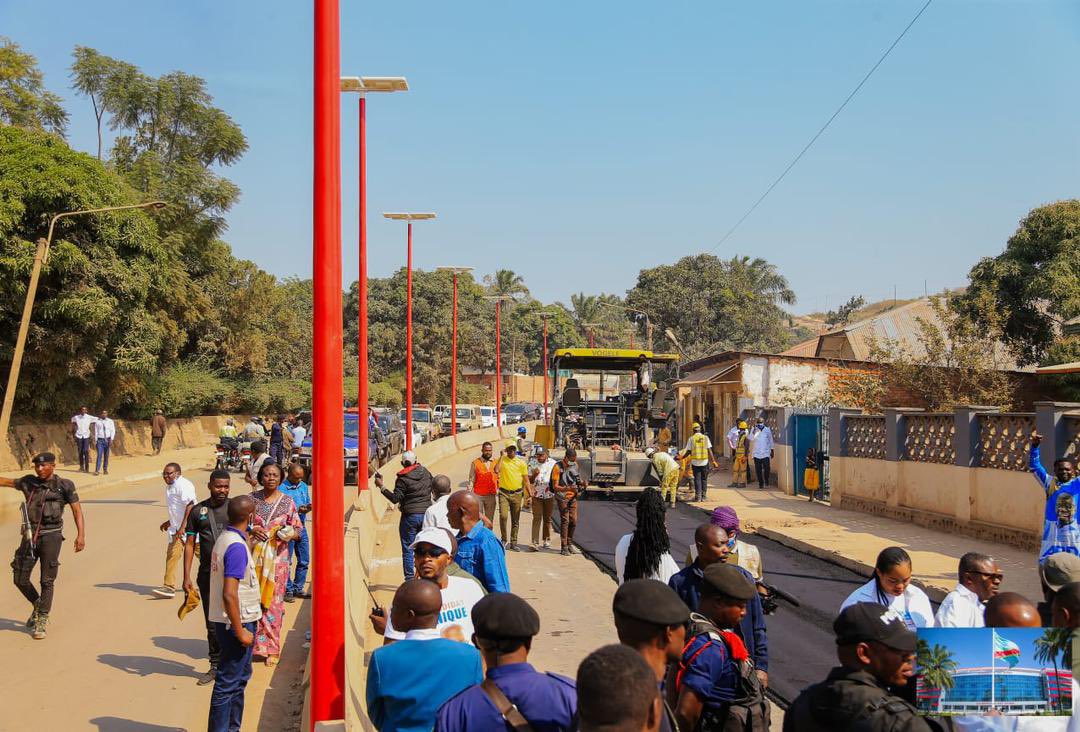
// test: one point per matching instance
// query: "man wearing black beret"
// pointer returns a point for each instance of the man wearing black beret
(716, 683)
(651, 619)
(45, 495)
(513, 693)
(876, 649)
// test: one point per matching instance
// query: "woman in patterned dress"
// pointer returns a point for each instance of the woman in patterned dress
(274, 511)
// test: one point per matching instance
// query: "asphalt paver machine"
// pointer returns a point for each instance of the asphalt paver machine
(608, 406)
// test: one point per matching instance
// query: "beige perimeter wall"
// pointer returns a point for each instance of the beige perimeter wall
(1002, 505)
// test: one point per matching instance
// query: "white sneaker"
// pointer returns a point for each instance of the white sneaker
(547, 544)
(166, 593)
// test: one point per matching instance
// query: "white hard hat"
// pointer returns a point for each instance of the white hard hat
(650, 451)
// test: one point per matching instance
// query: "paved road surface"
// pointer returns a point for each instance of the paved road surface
(116, 659)
(801, 643)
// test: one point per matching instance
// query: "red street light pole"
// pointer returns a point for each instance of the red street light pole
(453, 349)
(328, 425)
(546, 316)
(362, 85)
(592, 340)
(499, 299)
(410, 218)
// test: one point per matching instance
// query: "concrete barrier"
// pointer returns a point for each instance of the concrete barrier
(132, 437)
(367, 514)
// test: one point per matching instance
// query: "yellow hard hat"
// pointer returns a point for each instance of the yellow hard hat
(742, 425)
(697, 426)
(510, 444)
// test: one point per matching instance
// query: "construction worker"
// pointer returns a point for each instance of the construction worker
(667, 471)
(700, 450)
(740, 468)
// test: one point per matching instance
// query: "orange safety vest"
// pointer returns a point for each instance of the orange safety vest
(486, 483)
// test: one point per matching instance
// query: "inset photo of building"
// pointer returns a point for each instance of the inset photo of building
(1009, 671)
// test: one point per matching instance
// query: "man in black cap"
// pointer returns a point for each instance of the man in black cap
(716, 684)
(513, 693)
(876, 649)
(45, 495)
(651, 619)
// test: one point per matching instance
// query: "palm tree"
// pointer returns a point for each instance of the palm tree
(935, 667)
(1051, 644)
(765, 279)
(506, 282)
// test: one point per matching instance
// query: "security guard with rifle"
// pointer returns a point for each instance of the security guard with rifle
(45, 495)
(876, 649)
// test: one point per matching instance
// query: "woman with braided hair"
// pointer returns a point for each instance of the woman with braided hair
(645, 553)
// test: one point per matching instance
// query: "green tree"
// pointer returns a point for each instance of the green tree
(525, 325)
(936, 666)
(1050, 646)
(1035, 281)
(505, 282)
(960, 358)
(843, 314)
(101, 323)
(24, 100)
(104, 80)
(712, 304)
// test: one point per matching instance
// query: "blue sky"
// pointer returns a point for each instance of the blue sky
(577, 143)
(972, 646)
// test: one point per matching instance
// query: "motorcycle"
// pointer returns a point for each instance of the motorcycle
(228, 454)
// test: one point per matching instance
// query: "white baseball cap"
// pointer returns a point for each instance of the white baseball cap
(408, 456)
(435, 537)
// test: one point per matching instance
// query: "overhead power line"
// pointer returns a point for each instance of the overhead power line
(823, 127)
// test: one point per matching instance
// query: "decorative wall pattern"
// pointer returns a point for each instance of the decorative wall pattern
(929, 438)
(866, 436)
(1004, 440)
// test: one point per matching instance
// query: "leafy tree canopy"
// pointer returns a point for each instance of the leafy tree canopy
(24, 101)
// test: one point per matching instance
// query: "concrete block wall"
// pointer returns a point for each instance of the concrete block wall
(994, 504)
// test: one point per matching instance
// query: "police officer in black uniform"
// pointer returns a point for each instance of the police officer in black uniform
(513, 693)
(45, 495)
(876, 649)
(651, 619)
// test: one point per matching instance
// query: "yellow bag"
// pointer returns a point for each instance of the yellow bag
(264, 555)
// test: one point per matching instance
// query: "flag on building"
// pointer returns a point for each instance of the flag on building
(1006, 650)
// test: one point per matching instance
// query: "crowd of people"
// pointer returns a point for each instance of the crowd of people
(694, 651)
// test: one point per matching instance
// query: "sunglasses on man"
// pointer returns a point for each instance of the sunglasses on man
(434, 552)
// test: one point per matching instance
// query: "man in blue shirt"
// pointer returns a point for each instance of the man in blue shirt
(715, 673)
(296, 489)
(409, 680)
(712, 545)
(1060, 530)
(504, 629)
(479, 551)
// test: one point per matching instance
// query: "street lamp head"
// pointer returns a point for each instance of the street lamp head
(671, 337)
(155, 204)
(455, 270)
(402, 216)
(365, 84)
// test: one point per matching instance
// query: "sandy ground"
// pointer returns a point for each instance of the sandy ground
(116, 658)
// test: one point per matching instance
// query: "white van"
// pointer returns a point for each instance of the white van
(487, 416)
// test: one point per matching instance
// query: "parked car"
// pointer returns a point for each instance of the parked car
(487, 417)
(352, 460)
(393, 430)
(423, 423)
(441, 410)
(468, 418)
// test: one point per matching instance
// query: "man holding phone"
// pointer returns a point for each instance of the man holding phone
(234, 610)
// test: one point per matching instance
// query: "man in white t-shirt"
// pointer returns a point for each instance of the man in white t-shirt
(543, 497)
(179, 498)
(81, 425)
(433, 550)
(436, 516)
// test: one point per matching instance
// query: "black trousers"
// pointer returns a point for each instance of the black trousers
(203, 582)
(84, 453)
(701, 478)
(761, 467)
(48, 553)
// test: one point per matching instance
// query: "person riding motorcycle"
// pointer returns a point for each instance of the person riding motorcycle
(228, 430)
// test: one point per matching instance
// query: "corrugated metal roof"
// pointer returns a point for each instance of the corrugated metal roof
(805, 349)
(705, 375)
(901, 326)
